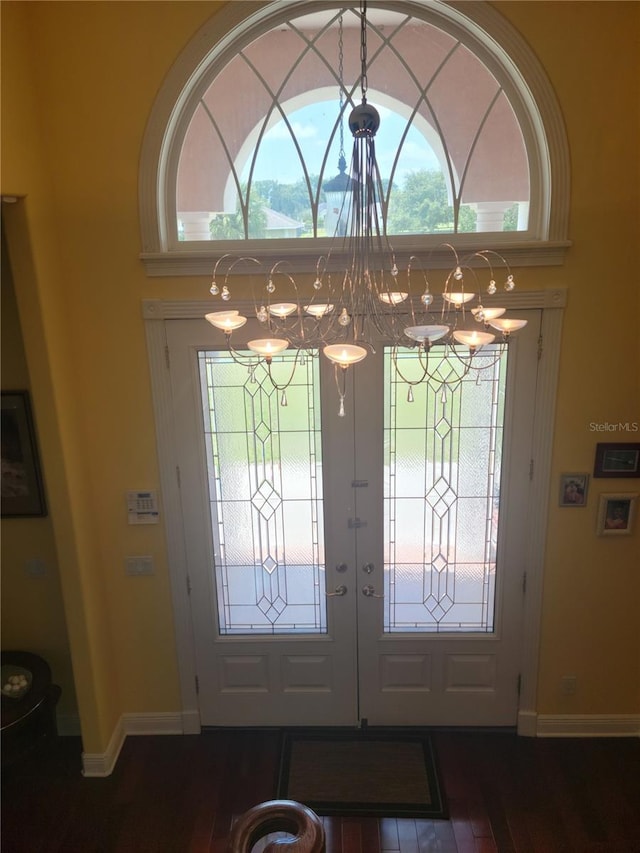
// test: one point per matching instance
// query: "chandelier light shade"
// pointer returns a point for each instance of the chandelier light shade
(371, 301)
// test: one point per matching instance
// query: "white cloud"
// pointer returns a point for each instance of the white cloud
(301, 131)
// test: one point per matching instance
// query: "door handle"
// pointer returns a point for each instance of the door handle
(370, 592)
(339, 590)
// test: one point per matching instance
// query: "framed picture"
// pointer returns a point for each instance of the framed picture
(22, 492)
(573, 489)
(616, 514)
(621, 459)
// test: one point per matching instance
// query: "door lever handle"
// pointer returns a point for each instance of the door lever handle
(339, 590)
(370, 592)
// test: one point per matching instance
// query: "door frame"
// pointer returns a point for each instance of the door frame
(157, 312)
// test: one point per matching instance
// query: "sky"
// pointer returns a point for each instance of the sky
(313, 123)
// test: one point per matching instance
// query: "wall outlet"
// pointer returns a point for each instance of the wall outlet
(568, 684)
(136, 566)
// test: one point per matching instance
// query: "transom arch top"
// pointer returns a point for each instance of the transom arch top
(250, 122)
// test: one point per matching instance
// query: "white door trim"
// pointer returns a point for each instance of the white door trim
(157, 312)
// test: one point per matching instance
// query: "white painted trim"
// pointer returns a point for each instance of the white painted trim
(588, 725)
(182, 309)
(160, 723)
(161, 391)
(534, 550)
(156, 312)
(527, 723)
(304, 257)
(99, 764)
(487, 31)
(191, 723)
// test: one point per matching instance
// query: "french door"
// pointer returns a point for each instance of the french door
(364, 566)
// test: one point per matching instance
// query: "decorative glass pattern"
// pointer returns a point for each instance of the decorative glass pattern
(265, 488)
(266, 133)
(442, 462)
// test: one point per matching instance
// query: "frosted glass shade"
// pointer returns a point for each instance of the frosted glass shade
(473, 339)
(394, 297)
(226, 320)
(426, 333)
(489, 313)
(268, 346)
(319, 309)
(282, 309)
(344, 354)
(508, 325)
(458, 297)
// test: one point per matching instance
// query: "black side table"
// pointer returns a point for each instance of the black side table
(31, 718)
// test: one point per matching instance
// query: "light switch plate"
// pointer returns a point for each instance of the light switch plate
(136, 566)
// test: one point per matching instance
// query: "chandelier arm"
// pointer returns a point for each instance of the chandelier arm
(251, 361)
(366, 302)
(468, 362)
(281, 386)
(423, 365)
(237, 261)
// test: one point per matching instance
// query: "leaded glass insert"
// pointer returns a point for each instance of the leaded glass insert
(265, 491)
(442, 463)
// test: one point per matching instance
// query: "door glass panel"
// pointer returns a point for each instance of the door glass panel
(442, 462)
(264, 462)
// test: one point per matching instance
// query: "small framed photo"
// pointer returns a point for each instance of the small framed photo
(21, 480)
(616, 514)
(620, 459)
(573, 489)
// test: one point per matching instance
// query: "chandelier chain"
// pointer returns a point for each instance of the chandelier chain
(367, 305)
(341, 87)
(364, 85)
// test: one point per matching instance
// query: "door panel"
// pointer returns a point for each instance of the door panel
(256, 665)
(364, 660)
(446, 671)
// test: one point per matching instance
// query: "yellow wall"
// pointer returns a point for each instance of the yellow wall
(79, 80)
(592, 584)
(33, 617)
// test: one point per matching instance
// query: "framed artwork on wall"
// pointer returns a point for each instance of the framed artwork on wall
(616, 514)
(22, 491)
(618, 459)
(573, 489)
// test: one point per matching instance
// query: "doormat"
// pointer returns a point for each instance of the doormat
(362, 773)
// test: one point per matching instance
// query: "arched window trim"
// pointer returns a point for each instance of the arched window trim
(479, 26)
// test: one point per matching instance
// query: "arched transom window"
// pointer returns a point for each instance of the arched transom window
(251, 146)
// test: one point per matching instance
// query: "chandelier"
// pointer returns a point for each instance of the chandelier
(371, 301)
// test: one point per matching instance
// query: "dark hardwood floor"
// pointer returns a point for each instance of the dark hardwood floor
(181, 794)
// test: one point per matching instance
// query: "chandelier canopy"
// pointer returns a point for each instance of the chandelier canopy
(370, 300)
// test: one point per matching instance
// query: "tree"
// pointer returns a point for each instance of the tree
(230, 226)
(420, 206)
(290, 199)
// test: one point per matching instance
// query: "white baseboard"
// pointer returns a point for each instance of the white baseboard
(588, 725)
(191, 722)
(169, 723)
(527, 723)
(102, 763)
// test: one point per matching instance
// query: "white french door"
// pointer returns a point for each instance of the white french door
(365, 566)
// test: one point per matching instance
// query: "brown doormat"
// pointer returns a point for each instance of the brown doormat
(362, 773)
